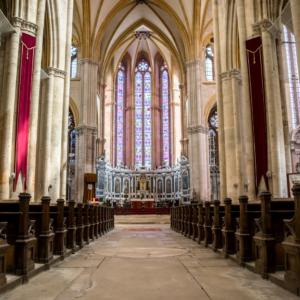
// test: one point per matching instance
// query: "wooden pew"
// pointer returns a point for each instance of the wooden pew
(40, 212)
(208, 238)
(229, 227)
(3, 253)
(200, 222)
(86, 224)
(79, 225)
(269, 251)
(194, 221)
(219, 212)
(71, 225)
(20, 235)
(291, 246)
(59, 227)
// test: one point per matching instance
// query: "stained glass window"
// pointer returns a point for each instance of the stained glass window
(213, 154)
(143, 99)
(74, 60)
(138, 119)
(165, 117)
(71, 154)
(293, 76)
(209, 63)
(147, 119)
(120, 116)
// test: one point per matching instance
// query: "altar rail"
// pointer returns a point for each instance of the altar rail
(142, 211)
(263, 236)
(44, 232)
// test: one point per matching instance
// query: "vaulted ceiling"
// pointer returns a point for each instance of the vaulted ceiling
(105, 29)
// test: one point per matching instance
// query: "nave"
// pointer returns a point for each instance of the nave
(143, 260)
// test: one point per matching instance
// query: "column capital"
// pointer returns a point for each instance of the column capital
(266, 25)
(197, 129)
(56, 72)
(89, 61)
(234, 73)
(24, 25)
(193, 62)
(85, 129)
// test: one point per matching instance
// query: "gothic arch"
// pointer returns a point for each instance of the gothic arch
(75, 111)
(211, 103)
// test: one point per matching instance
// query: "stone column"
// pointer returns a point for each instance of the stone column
(87, 129)
(57, 133)
(229, 137)
(295, 8)
(35, 100)
(176, 124)
(198, 144)
(222, 162)
(246, 119)
(85, 156)
(46, 146)
(65, 135)
(101, 117)
(184, 139)
(108, 121)
(8, 107)
(274, 113)
(237, 117)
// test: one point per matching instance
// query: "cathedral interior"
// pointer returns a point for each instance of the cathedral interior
(149, 149)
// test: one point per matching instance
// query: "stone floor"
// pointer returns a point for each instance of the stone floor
(146, 262)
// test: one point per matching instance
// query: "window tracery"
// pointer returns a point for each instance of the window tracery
(143, 99)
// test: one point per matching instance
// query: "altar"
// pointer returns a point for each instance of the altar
(142, 203)
(141, 187)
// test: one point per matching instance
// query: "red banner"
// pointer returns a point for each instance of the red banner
(258, 107)
(23, 114)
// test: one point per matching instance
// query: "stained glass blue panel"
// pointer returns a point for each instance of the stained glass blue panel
(165, 117)
(147, 120)
(120, 117)
(138, 119)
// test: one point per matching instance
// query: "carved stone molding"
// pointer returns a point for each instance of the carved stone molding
(85, 129)
(197, 129)
(56, 72)
(142, 34)
(266, 25)
(234, 73)
(194, 62)
(88, 60)
(24, 25)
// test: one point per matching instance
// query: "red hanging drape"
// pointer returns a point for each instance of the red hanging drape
(23, 113)
(258, 107)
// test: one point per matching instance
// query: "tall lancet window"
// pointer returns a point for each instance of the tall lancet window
(71, 155)
(293, 76)
(120, 100)
(74, 61)
(143, 99)
(213, 154)
(165, 105)
(209, 63)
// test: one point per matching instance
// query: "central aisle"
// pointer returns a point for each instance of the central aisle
(146, 262)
